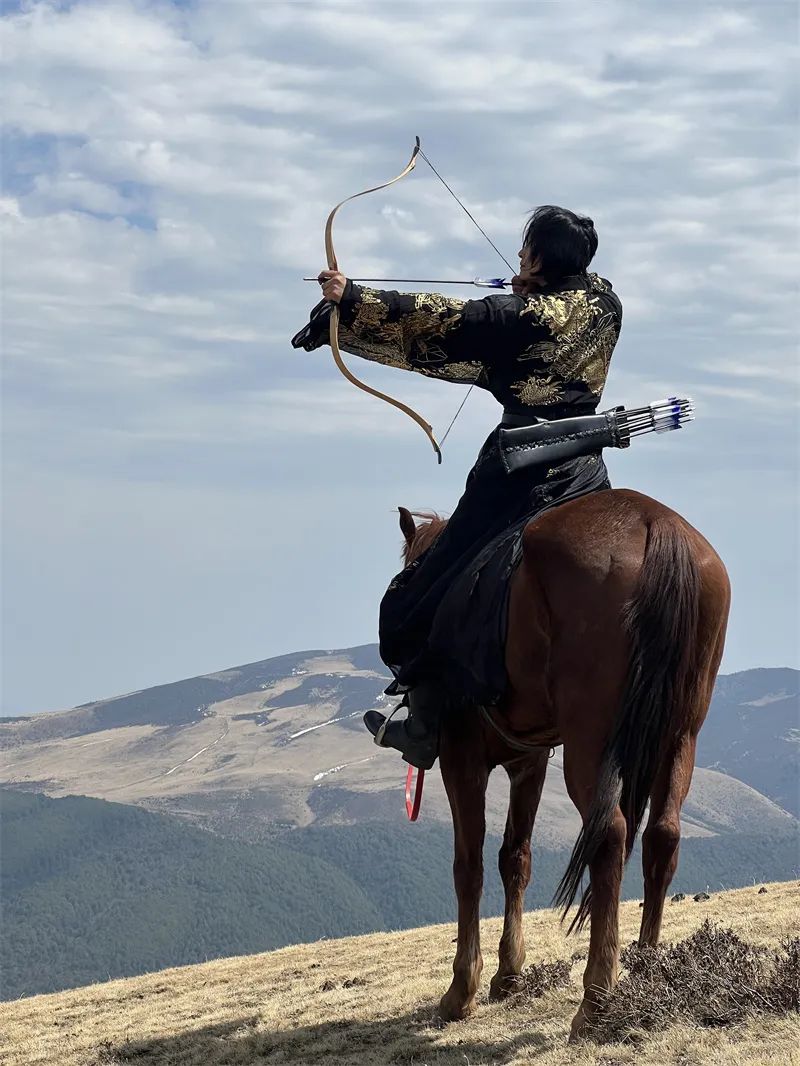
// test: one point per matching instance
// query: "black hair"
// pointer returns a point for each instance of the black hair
(564, 241)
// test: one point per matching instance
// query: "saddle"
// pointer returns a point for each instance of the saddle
(468, 633)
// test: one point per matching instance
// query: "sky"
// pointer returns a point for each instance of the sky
(183, 491)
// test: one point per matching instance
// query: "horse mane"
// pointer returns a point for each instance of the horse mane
(428, 531)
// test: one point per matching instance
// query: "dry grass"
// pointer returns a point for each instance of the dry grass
(371, 1001)
(712, 978)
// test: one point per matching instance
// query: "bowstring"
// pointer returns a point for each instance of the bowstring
(480, 228)
(455, 416)
(467, 212)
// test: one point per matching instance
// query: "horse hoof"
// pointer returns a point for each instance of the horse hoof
(451, 1010)
(581, 1024)
(503, 987)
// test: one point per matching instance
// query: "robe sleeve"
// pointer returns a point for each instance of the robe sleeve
(434, 335)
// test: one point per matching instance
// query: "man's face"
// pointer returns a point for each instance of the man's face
(530, 270)
(526, 258)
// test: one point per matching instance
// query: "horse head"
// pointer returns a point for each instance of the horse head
(418, 538)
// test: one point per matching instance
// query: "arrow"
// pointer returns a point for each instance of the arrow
(483, 283)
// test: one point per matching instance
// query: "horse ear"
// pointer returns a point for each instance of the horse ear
(408, 526)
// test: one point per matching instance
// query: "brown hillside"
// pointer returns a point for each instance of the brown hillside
(371, 1000)
(281, 744)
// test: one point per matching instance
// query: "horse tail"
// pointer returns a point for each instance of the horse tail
(661, 620)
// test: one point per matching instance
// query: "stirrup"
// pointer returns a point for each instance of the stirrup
(378, 738)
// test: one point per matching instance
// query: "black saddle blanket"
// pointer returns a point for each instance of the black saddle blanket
(444, 618)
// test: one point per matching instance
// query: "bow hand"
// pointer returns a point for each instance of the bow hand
(333, 284)
(316, 332)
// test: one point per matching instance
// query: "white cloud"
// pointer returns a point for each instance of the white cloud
(171, 169)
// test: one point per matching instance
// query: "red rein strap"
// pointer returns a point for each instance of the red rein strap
(413, 801)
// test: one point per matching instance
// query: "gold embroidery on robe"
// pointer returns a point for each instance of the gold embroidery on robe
(564, 314)
(536, 390)
(434, 303)
(584, 337)
(433, 316)
(467, 372)
(593, 355)
(377, 351)
(573, 333)
(372, 312)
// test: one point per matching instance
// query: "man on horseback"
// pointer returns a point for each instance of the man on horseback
(543, 352)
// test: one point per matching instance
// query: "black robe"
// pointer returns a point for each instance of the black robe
(546, 356)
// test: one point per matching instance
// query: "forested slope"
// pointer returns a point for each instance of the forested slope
(93, 890)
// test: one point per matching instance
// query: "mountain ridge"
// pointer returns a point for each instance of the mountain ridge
(278, 743)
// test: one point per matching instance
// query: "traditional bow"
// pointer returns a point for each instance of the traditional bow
(334, 318)
(330, 254)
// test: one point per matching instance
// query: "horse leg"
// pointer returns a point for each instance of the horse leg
(605, 873)
(465, 773)
(527, 779)
(661, 839)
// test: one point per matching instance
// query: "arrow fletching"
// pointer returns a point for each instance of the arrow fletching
(659, 417)
(490, 283)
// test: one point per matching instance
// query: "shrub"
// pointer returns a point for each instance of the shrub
(712, 978)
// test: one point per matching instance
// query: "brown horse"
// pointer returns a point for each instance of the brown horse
(616, 627)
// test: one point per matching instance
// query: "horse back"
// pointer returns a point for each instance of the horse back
(580, 571)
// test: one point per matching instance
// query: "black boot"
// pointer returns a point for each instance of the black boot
(417, 736)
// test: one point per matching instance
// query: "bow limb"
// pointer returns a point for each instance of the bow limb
(330, 255)
(337, 358)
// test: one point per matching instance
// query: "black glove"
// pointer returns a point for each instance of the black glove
(317, 331)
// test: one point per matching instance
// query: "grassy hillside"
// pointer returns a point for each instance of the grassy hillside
(371, 1001)
(94, 890)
